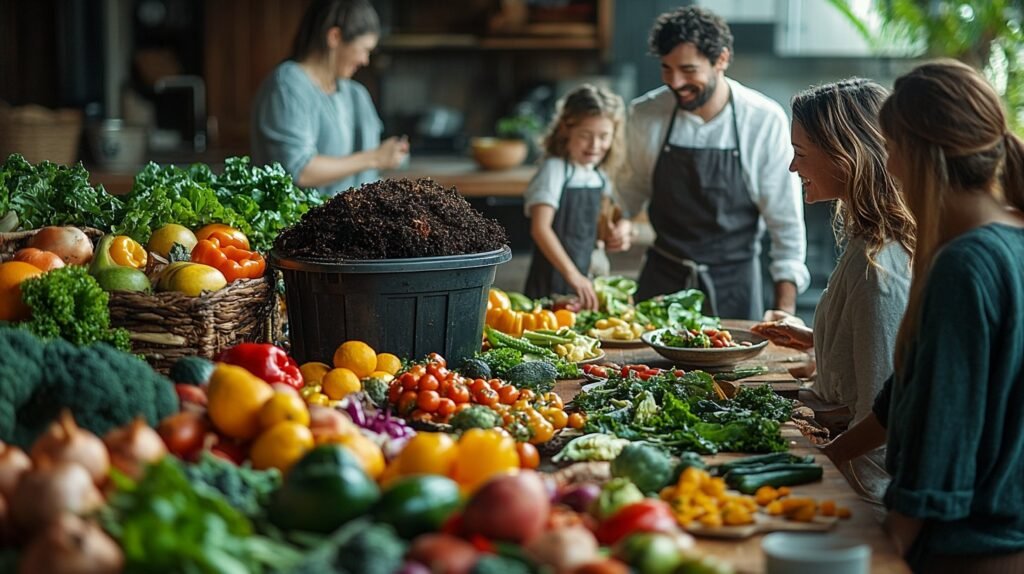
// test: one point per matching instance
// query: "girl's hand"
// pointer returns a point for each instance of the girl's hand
(788, 332)
(620, 236)
(585, 290)
(392, 152)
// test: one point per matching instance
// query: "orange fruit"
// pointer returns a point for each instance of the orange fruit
(385, 376)
(281, 446)
(161, 241)
(313, 372)
(338, 383)
(284, 406)
(357, 357)
(234, 400)
(388, 363)
(12, 274)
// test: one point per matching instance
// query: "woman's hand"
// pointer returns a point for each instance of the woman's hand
(787, 331)
(585, 290)
(620, 236)
(392, 152)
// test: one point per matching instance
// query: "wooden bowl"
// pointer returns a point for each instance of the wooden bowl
(497, 154)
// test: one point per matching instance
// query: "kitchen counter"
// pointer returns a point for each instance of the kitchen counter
(466, 176)
(460, 172)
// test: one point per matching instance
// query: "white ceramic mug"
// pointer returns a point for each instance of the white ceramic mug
(789, 553)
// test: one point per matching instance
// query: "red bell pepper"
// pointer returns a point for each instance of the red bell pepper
(645, 516)
(266, 361)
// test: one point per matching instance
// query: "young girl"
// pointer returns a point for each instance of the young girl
(583, 148)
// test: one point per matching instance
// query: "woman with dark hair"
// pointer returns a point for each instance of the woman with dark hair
(953, 411)
(839, 154)
(311, 117)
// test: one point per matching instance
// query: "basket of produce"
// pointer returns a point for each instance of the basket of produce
(404, 265)
(40, 134)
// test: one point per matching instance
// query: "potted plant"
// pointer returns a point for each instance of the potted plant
(510, 148)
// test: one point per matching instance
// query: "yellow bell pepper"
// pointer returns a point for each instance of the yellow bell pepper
(565, 318)
(127, 252)
(549, 319)
(497, 299)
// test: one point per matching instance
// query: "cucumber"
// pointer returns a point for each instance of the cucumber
(749, 483)
(762, 459)
(735, 474)
(741, 373)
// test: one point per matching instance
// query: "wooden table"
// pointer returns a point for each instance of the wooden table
(746, 555)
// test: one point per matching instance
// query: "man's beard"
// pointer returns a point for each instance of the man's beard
(701, 97)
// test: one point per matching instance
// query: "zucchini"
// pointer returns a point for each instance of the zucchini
(741, 373)
(762, 459)
(749, 483)
(734, 475)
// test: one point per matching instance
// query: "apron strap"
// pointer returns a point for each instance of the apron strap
(699, 274)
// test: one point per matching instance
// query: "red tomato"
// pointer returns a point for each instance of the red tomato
(529, 458)
(445, 407)
(437, 359)
(428, 382)
(649, 515)
(184, 434)
(407, 402)
(508, 394)
(487, 397)
(428, 401)
(409, 381)
(477, 384)
(459, 393)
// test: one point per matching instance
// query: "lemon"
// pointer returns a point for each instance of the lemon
(388, 363)
(283, 407)
(357, 357)
(281, 446)
(191, 279)
(338, 383)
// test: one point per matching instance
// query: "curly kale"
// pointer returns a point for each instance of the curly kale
(51, 194)
(765, 402)
(68, 303)
(103, 387)
(501, 360)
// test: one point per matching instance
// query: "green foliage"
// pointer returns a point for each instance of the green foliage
(501, 359)
(245, 489)
(523, 126)
(51, 194)
(164, 524)
(359, 547)
(986, 34)
(70, 304)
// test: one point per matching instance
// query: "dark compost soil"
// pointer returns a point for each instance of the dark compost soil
(391, 219)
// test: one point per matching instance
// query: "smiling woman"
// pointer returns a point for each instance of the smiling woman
(312, 117)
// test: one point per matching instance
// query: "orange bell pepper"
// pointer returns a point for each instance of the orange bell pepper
(227, 234)
(497, 299)
(127, 252)
(231, 260)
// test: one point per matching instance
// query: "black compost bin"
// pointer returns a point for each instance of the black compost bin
(409, 307)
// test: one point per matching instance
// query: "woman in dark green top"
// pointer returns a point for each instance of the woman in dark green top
(953, 412)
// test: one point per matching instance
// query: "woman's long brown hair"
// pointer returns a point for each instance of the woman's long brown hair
(842, 119)
(948, 126)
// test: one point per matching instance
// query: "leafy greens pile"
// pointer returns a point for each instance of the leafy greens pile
(51, 194)
(681, 413)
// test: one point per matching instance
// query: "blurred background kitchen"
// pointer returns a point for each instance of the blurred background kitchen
(171, 81)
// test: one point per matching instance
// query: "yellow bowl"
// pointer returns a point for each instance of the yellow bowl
(497, 153)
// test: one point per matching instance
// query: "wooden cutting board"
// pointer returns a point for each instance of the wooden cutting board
(762, 524)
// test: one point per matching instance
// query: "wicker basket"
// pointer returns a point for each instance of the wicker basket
(40, 134)
(167, 326)
(11, 242)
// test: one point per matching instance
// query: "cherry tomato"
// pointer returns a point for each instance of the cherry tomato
(459, 393)
(428, 401)
(394, 391)
(445, 407)
(409, 381)
(577, 420)
(428, 382)
(440, 373)
(407, 402)
(529, 458)
(527, 395)
(508, 394)
(599, 372)
(183, 433)
(487, 396)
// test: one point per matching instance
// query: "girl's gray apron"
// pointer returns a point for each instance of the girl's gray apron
(575, 224)
(707, 229)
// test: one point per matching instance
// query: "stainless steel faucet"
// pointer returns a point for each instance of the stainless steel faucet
(198, 87)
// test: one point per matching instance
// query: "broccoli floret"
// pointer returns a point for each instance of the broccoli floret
(376, 389)
(359, 547)
(649, 467)
(493, 564)
(246, 489)
(475, 417)
(476, 368)
(192, 370)
(538, 376)
(104, 388)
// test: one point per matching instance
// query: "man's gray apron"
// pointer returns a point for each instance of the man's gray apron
(707, 229)
(575, 224)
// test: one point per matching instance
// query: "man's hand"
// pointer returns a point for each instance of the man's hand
(619, 236)
(585, 290)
